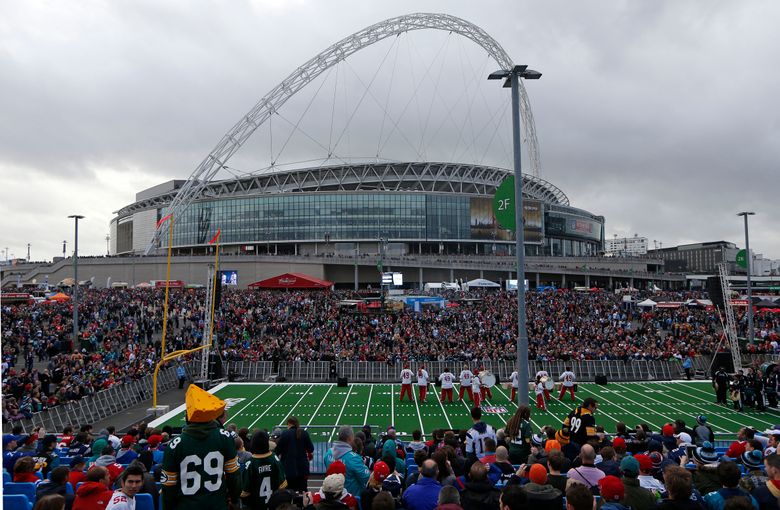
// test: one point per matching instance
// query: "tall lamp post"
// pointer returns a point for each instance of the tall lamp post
(751, 333)
(511, 79)
(76, 218)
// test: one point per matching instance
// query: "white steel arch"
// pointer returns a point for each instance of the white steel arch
(259, 114)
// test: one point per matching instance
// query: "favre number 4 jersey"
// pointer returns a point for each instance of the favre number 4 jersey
(263, 474)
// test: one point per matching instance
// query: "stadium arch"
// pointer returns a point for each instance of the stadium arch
(232, 141)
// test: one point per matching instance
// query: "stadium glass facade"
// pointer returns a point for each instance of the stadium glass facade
(424, 213)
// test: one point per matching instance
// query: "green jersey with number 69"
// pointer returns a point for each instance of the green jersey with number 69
(200, 469)
(263, 474)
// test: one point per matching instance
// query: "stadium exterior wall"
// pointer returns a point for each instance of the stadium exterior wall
(422, 208)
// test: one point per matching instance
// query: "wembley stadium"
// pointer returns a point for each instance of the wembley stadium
(413, 208)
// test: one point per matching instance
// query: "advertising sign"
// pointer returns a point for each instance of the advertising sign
(485, 225)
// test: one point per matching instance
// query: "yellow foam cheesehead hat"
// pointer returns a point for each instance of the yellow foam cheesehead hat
(202, 406)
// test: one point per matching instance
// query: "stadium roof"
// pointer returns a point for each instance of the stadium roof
(393, 177)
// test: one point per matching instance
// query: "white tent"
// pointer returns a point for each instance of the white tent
(647, 303)
(483, 283)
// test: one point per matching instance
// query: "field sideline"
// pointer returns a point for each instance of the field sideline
(323, 405)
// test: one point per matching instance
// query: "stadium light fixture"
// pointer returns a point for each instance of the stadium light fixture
(76, 218)
(751, 332)
(511, 79)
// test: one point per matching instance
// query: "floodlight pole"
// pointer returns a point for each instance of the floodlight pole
(76, 218)
(512, 79)
(751, 332)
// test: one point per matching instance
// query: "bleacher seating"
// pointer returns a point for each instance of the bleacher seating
(16, 502)
(144, 502)
(26, 489)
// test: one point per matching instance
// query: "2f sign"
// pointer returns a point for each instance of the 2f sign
(504, 204)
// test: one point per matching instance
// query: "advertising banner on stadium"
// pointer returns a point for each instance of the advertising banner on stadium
(484, 225)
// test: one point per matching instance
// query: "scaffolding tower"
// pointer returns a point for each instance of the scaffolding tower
(731, 325)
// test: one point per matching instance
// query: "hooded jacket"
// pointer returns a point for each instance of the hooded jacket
(481, 495)
(637, 497)
(391, 448)
(47, 488)
(109, 462)
(92, 495)
(543, 496)
(357, 472)
(424, 495)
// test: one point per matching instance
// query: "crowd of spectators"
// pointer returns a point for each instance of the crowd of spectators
(121, 333)
(514, 467)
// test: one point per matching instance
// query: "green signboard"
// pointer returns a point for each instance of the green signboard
(504, 203)
(742, 259)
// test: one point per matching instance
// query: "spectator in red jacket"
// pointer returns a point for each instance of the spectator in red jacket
(77, 475)
(94, 493)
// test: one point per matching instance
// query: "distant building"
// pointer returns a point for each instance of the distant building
(698, 257)
(625, 246)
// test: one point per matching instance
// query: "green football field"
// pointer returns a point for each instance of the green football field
(323, 406)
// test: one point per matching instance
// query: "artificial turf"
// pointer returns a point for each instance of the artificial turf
(325, 406)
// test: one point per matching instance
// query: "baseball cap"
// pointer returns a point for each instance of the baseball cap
(684, 437)
(701, 419)
(656, 458)
(154, 440)
(381, 471)
(611, 488)
(7, 438)
(774, 431)
(667, 430)
(618, 442)
(538, 474)
(645, 463)
(629, 466)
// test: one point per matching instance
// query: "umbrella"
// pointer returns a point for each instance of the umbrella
(59, 297)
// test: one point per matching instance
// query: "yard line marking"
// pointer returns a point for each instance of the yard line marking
(311, 418)
(419, 416)
(269, 407)
(769, 410)
(716, 413)
(444, 412)
(338, 420)
(284, 421)
(368, 404)
(392, 404)
(683, 412)
(517, 406)
(616, 405)
(233, 417)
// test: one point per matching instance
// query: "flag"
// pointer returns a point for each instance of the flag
(216, 237)
(163, 220)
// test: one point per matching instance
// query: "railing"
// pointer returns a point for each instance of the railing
(367, 371)
(102, 404)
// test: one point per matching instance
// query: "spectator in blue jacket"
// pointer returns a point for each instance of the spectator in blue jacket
(729, 475)
(424, 495)
(10, 455)
(357, 472)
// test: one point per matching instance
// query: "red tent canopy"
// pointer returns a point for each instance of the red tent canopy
(292, 281)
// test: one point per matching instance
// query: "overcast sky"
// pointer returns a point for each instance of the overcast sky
(660, 116)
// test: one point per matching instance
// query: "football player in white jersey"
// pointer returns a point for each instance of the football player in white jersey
(539, 390)
(515, 379)
(422, 382)
(569, 380)
(485, 392)
(446, 379)
(406, 382)
(465, 382)
(543, 374)
(476, 384)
